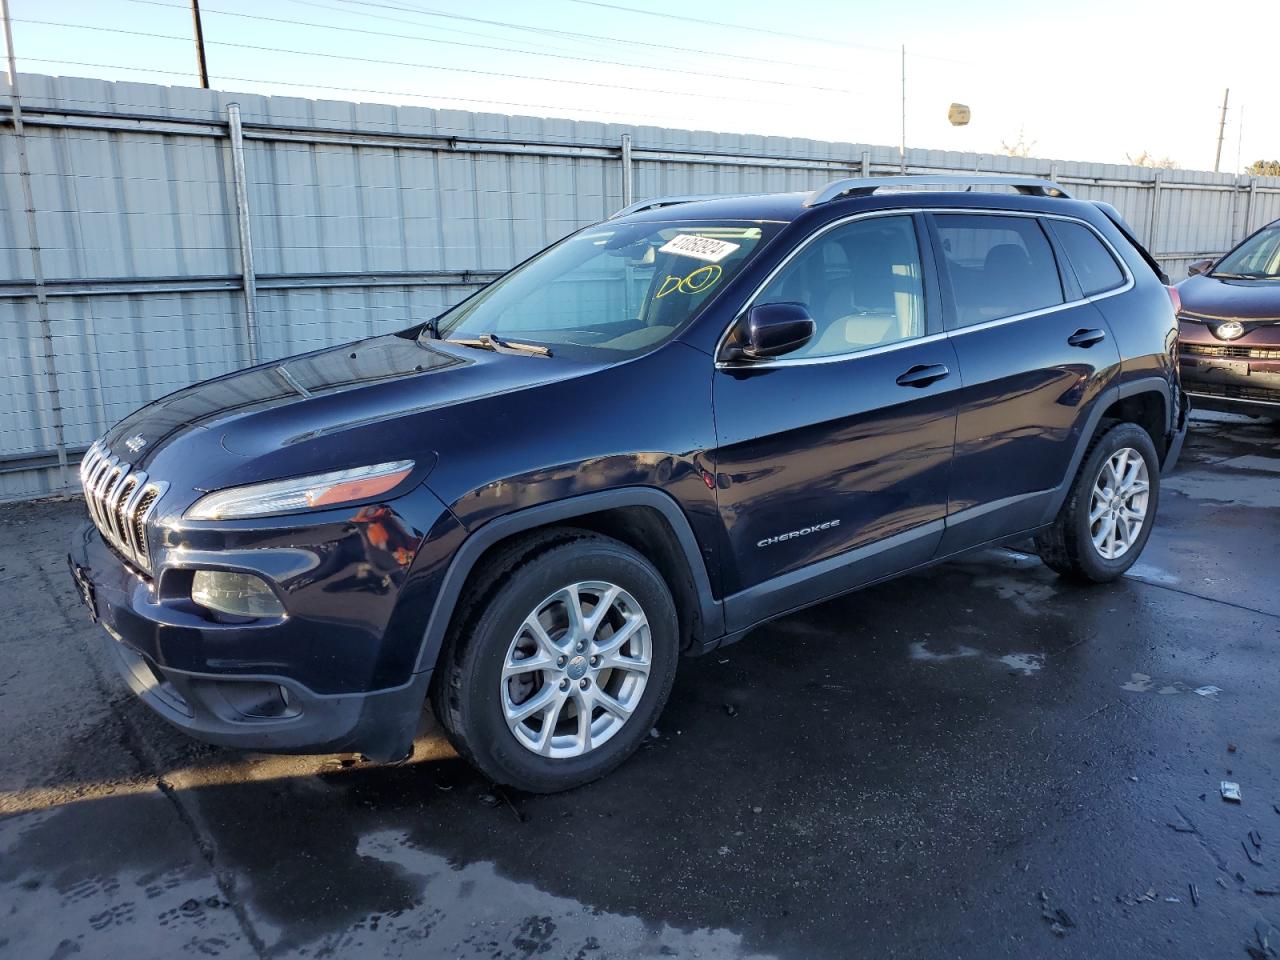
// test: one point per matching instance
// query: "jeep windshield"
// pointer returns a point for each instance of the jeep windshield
(1258, 258)
(617, 287)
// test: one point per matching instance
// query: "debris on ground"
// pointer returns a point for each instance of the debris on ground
(1132, 900)
(1260, 947)
(1267, 891)
(1187, 825)
(1231, 748)
(1256, 839)
(654, 732)
(1172, 900)
(730, 709)
(1209, 690)
(489, 800)
(1249, 852)
(1230, 791)
(1059, 920)
(1195, 894)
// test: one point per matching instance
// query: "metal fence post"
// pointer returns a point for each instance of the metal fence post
(37, 261)
(1248, 204)
(628, 185)
(1154, 234)
(866, 163)
(250, 278)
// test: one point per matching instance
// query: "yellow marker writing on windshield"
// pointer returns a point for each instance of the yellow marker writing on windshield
(696, 281)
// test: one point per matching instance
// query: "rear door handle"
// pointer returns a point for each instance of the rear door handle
(923, 374)
(1086, 337)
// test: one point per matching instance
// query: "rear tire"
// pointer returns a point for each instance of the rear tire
(575, 629)
(1106, 520)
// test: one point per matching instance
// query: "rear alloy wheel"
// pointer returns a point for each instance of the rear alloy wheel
(1107, 516)
(560, 661)
(1118, 505)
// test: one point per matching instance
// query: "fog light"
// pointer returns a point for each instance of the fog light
(239, 594)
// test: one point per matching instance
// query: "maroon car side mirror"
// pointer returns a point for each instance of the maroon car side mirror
(1197, 267)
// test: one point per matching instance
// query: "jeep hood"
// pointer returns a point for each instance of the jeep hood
(321, 409)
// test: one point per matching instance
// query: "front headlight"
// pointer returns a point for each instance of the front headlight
(300, 493)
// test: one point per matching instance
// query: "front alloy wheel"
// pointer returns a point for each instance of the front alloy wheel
(560, 660)
(576, 669)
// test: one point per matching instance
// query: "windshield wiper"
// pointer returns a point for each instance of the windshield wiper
(1246, 276)
(491, 341)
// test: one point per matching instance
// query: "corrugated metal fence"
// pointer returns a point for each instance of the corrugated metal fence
(361, 219)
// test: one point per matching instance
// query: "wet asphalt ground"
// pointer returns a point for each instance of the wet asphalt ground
(977, 761)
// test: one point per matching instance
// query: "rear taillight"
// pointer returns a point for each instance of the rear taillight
(1176, 298)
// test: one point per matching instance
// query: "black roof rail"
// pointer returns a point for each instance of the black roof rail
(656, 203)
(865, 186)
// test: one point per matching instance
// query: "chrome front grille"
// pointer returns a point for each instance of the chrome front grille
(120, 501)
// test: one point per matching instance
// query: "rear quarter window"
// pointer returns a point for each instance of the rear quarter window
(1095, 268)
(998, 266)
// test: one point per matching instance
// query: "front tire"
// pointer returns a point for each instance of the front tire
(562, 658)
(1108, 514)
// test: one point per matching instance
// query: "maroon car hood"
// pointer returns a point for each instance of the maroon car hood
(1217, 299)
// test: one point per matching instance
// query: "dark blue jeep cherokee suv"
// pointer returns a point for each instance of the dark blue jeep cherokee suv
(644, 441)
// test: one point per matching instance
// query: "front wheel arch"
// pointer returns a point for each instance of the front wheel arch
(615, 513)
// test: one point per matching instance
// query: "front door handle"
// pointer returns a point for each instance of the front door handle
(1086, 337)
(923, 374)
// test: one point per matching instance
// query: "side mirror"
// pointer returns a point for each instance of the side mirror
(769, 330)
(1197, 267)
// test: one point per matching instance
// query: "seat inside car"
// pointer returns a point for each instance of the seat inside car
(875, 302)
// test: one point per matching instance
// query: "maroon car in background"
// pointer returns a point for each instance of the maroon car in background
(1229, 326)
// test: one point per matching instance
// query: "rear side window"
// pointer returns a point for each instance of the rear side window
(998, 266)
(1094, 266)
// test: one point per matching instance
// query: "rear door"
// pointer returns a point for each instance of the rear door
(1034, 356)
(833, 460)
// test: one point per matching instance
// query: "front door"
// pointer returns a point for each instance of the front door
(833, 461)
(1034, 355)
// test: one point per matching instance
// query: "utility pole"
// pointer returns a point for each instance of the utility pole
(1239, 138)
(1222, 126)
(195, 18)
(902, 142)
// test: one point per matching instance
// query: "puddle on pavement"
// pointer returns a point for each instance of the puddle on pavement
(1151, 573)
(474, 911)
(920, 651)
(1024, 663)
(1143, 683)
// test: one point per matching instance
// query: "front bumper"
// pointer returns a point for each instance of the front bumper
(1232, 384)
(333, 675)
(1174, 450)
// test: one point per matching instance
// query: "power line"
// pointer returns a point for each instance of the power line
(384, 93)
(770, 31)
(767, 31)
(401, 63)
(422, 11)
(481, 46)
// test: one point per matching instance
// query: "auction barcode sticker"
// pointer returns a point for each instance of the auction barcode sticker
(700, 248)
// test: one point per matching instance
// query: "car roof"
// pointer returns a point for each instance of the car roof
(859, 193)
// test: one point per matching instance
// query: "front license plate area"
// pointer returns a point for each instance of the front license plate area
(1231, 368)
(85, 588)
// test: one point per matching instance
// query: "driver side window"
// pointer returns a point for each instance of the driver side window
(861, 283)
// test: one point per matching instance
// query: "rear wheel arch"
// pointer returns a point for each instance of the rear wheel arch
(644, 518)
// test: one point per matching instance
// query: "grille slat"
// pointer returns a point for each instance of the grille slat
(1236, 351)
(120, 500)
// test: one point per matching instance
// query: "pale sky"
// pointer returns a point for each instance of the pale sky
(1093, 80)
